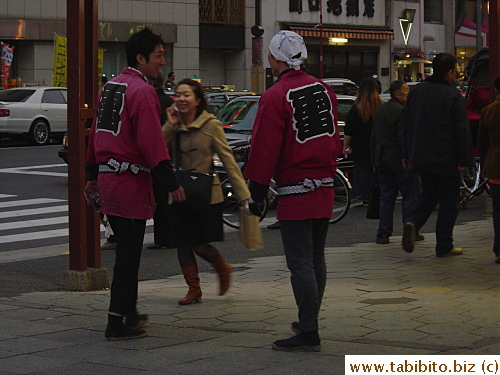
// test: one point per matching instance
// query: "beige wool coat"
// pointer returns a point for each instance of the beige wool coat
(199, 141)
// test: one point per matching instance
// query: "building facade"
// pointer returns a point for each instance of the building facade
(213, 40)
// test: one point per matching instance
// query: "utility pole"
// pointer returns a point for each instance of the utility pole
(320, 39)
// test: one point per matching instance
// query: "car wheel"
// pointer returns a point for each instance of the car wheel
(39, 132)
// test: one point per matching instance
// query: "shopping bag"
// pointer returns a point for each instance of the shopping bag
(250, 233)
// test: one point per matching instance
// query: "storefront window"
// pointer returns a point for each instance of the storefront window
(433, 11)
(343, 63)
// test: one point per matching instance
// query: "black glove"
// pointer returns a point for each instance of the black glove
(255, 208)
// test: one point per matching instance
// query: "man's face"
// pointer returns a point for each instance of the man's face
(450, 76)
(402, 93)
(152, 67)
(274, 64)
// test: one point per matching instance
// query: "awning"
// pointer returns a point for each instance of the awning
(349, 33)
(416, 59)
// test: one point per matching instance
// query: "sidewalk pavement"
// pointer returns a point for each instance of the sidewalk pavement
(379, 300)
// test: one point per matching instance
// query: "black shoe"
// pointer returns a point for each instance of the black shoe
(274, 226)
(303, 342)
(497, 260)
(419, 237)
(382, 239)
(296, 327)
(116, 330)
(408, 241)
(136, 320)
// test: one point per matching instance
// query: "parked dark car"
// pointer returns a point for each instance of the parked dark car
(238, 116)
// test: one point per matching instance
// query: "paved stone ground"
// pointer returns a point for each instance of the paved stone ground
(379, 300)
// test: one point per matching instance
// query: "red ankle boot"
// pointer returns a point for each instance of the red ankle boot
(193, 281)
(224, 270)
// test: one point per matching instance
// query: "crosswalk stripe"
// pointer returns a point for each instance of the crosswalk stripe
(33, 211)
(34, 235)
(34, 223)
(7, 196)
(28, 202)
(44, 234)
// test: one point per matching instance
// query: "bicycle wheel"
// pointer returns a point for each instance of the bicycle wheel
(342, 200)
(230, 206)
(471, 180)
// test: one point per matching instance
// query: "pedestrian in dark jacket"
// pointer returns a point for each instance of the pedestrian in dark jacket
(387, 158)
(357, 135)
(489, 153)
(438, 144)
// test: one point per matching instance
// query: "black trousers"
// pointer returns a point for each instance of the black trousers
(129, 234)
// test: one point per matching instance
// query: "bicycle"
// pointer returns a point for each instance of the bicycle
(342, 200)
(472, 183)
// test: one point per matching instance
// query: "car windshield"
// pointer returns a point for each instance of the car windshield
(238, 115)
(343, 108)
(343, 88)
(15, 95)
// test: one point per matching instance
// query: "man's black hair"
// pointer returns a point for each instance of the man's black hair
(142, 43)
(170, 75)
(443, 63)
(395, 87)
(496, 83)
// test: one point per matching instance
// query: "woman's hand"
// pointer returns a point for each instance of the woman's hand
(347, 150)
(173, 115)
(178, 195)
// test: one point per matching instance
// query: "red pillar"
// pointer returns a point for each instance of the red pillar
(494, 35)
(84, 243)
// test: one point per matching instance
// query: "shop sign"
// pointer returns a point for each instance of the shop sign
(335, 7)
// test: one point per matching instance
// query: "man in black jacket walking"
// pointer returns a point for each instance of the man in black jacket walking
(387, 157)
(439, 146)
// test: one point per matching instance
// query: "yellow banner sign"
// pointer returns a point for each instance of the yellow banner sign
(59, 74)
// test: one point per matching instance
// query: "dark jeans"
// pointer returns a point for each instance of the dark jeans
(392, 179)
(129, 234)
(304, 244)
(495, 194)
(444, 190)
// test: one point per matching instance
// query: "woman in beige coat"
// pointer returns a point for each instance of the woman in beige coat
(201, 135)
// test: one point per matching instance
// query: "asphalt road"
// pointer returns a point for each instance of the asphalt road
(17, 165)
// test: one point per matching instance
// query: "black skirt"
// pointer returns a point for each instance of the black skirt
(189, 229)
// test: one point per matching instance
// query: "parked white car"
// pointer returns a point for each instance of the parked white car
(38, 112)
(342, 86)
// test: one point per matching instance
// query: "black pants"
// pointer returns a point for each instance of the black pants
(304, 244)
(161, 216)
(129, 234)
(444, 190)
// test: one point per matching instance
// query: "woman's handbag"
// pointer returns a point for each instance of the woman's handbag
(197, 186)
(250, 233)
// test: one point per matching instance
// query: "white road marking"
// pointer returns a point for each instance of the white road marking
(32, 170)
(34, 223)
(7, 196)
(33, 211)
(28, 202)
(33, 236)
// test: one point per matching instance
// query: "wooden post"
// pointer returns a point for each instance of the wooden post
(84, 234)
